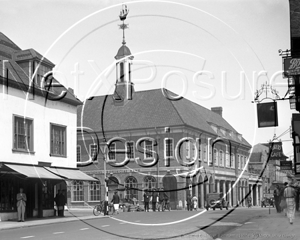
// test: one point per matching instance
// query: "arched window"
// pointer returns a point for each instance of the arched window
(77, 191)
(121, 71)
(94, 191)
(149, 182)
(131, 184)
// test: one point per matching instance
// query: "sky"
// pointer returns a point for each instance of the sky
(213, 52)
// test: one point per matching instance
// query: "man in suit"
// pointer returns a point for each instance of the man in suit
(154, 199)
(21, 205)
(146, 201)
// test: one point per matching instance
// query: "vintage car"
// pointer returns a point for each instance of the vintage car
(216, 200)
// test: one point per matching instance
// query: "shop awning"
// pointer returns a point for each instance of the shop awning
(71, 174)
(33, 171)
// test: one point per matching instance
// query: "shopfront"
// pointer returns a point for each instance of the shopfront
(39, 184)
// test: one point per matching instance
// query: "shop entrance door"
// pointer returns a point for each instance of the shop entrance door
(30, 194)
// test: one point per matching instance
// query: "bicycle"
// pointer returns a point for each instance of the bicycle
(99, 208)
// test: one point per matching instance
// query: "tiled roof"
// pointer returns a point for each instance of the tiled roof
(149, 109)
(7, 47)
(16, 75)
(123, 52)
(31, 54)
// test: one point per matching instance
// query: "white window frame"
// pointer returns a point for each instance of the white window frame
(98, 197)
(29, 125)
(227, 160)
(216, 153)
(63, 140)
(221, 159)
(82, 191)
(114, 151)
(199, 151)
(78, 147)
(188, 149)
(152, 149)
(133, 150)
(171, 147)
(205, 152)
(90, 149)
(233, 160)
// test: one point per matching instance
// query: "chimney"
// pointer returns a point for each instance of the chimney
(217, 110)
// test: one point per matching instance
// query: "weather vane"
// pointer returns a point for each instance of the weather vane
(123, 14)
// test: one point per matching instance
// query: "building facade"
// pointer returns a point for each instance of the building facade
(195, 149)
(266, 169)
(38, 134)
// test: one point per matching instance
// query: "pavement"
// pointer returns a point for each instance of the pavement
(70, 215)
(273, 226)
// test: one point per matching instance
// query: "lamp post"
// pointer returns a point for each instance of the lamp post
(104, 149)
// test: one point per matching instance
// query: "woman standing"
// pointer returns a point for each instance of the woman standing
(289, 194)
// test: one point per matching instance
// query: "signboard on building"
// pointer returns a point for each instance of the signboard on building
(296, 141)
(291, 66)
(285, 165)
(276, 151)
(267, 114)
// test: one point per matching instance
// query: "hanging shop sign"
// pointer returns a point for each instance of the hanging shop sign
(291, 66)
(267, 114)
(285, 165)
(276, 151)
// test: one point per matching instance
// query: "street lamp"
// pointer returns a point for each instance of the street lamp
(103, 147)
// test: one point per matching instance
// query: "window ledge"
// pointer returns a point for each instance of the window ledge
(77, 201)
(54, 155)
(22, 151)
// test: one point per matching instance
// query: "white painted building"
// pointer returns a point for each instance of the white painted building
(38, 134)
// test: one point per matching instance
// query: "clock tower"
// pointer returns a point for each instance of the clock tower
(124, 87)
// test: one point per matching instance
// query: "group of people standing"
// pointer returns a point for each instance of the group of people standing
(285, 200)
(191, 202)
(158, 198)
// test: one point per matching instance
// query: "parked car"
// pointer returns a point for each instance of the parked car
(216, 200)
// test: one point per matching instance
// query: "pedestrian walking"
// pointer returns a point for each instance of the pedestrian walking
(154, 199)
(194, 203)
(249, 202)
(290, 194)
(277, 199)
(146, 201)
(21, 205)
(167, 201)
(283, 204)
(189, 202)
(116, 202)
(60, 201)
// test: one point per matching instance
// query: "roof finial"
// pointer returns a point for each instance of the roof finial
(123, 14)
